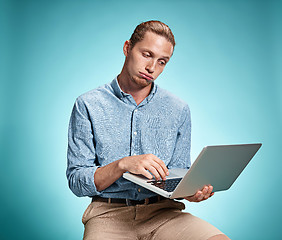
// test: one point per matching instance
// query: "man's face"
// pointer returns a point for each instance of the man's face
(147, 59)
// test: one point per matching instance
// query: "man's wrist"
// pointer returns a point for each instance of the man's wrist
(121, 165)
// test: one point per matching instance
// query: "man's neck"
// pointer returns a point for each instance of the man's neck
(138, 93)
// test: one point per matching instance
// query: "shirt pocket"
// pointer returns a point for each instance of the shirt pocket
(159, 141)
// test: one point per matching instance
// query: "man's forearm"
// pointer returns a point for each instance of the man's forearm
(107, 175)
(139, 164)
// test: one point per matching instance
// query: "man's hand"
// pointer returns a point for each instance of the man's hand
(201, 195)
(139, 164)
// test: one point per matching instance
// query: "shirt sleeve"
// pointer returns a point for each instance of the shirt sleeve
(181, 154)
(81, 152)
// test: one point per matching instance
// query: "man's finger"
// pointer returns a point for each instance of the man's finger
(146, 174)
(162, 164)
(153, 170)
(201, 196)
(210, 190)
(205, 190)
(159, 169)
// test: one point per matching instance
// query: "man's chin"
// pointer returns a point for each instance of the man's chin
(142, 82)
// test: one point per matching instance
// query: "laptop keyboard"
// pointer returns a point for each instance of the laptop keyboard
(168, 185)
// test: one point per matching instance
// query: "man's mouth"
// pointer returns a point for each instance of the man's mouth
(148, 77)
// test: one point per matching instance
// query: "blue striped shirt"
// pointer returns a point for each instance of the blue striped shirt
(106, 124)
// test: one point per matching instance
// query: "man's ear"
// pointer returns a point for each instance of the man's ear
(126, 47)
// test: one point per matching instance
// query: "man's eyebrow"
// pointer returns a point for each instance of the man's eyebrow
(149, 51)
(165, 58)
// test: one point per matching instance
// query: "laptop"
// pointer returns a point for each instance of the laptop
(218, 166)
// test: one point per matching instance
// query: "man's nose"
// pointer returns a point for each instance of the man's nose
(150, 67)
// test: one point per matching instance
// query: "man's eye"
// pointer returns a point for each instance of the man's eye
(162, 63)
(146, 55)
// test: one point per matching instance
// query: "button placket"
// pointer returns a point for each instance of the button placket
(134, 133)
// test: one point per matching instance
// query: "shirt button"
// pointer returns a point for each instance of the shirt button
(139, 190)
(136, 110)
(135, 133)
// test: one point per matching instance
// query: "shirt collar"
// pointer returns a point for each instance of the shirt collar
(120, 94)
(117, 90)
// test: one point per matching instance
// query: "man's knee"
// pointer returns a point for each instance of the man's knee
(219, 237)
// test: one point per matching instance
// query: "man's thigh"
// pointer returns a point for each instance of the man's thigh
(105, 221)
(165, 220)
(97, 229)
(185, 226)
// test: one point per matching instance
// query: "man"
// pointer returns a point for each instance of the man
(133, 125)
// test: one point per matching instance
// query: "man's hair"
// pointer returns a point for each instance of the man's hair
(151, 26)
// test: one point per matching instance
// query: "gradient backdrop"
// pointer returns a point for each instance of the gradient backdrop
(226, 66)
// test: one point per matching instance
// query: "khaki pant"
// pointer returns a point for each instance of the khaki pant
(161, 220)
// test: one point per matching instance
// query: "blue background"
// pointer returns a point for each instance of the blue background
(226, 66)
